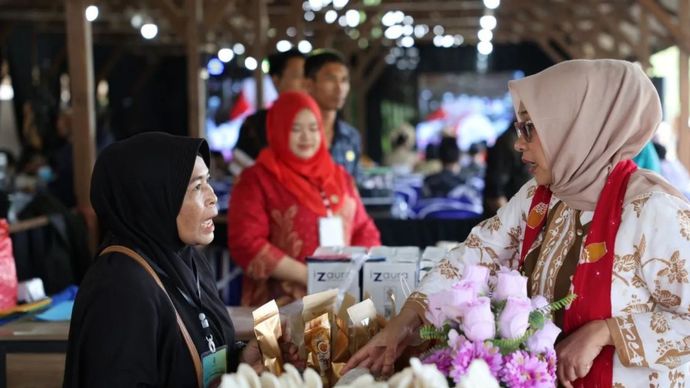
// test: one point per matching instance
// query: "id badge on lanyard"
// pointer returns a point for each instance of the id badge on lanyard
(214, 366)
(331, 232)
(331, 228)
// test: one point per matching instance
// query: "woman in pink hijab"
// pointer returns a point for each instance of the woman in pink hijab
(590, 223)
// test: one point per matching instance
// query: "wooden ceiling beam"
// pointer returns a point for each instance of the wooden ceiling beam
(214, 12)
(173, 14)
(552, 32)
(673, 27)
(440, 6)
(610, 23)
(545, 46)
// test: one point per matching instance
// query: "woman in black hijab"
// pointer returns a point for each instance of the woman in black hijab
(152, 196)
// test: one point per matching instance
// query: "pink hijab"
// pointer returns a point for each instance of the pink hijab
(590, 115)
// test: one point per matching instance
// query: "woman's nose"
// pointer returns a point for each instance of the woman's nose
(519, 144)
(213, 200)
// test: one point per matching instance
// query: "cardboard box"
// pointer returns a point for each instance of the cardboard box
(388, 283)
(330, 267)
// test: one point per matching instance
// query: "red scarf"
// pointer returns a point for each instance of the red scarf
(308, 180)
(593, 275)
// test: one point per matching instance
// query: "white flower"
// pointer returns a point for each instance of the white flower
(478, 375)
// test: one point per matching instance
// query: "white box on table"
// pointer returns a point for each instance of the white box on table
(329, 267)
(388, 282)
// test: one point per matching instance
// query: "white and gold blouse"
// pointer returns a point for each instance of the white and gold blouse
(650, 290)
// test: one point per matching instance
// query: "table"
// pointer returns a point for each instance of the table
(32, 353)
(423, 233)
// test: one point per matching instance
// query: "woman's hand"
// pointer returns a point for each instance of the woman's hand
(380, 353)
(251, 355)
(289, 351)
(576, 353)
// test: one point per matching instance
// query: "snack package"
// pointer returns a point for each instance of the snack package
(364, 324)
(340, 349)
(315, 305)
(267, 330)
(317, 339)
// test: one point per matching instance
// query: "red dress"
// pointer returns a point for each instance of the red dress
(266, 222)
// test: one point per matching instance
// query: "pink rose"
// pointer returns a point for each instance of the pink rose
(461, 293)
(479, 275)
(510, 283)
(436, 308)
(478, 322)
(543, 340)
(539, 302)
(514, 319)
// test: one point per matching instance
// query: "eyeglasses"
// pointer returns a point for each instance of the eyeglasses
(524, 129)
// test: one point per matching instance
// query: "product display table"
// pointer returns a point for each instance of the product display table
(32, 353)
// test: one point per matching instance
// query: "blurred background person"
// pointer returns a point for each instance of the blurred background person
(327, 79)
(287, 73)
(402, 158)
(443, 182)
(648, 158)
(673, 170)
(292, 197)
(505, 172)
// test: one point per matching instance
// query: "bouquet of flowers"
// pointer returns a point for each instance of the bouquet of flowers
(492, 319)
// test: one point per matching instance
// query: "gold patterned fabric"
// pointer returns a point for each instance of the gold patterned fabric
(650, 295)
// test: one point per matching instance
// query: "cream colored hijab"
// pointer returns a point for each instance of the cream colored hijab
(590, 115)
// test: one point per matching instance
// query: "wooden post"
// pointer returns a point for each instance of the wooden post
(261, 24)
(684, 85)
(83, 109)
(196, 95)
(644, 40)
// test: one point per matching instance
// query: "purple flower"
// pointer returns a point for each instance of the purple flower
(478, 323)
(522, 370)
(543, 340)
(551, 361)
(462, 293)
(479, 275)
(436, 309)
(442, 358)
(514, 319)
(510, 283)
(470, 351)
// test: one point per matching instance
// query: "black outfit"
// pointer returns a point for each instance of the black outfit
(346, 146)
(441, 183)
(123, 331)
(253, 134)
(505, 172)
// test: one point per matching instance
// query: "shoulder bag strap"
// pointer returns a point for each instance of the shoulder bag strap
(183, 329)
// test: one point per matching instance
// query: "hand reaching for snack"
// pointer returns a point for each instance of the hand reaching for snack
(380, 353)
(252, 356)
(290, 351)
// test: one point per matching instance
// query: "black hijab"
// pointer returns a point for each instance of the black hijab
(137, 189)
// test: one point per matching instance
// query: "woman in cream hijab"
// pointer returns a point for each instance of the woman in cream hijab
(590, 222)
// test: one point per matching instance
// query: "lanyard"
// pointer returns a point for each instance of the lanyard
(327, 204)
(203, 320)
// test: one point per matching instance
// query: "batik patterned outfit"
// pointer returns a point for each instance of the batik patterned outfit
(650, 289)
(609, 112)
